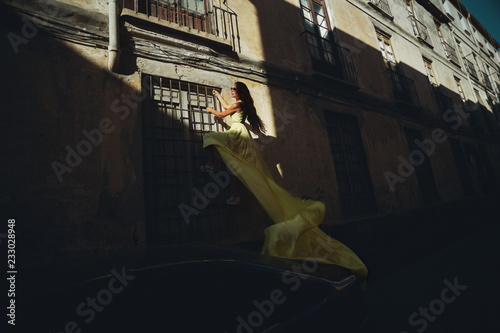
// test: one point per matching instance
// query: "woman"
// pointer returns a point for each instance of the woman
(237, 141)
(295, 233)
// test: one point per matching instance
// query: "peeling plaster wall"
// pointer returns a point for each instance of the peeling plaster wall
(96, 205)
(99, 205)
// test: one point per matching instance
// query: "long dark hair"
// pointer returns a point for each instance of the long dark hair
(256, 123)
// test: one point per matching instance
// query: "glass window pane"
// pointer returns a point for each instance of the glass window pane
(323, 32)
(318, 9)
(309, 25)
(197, 6)
(381, 45)
(390, 56)
(305, 3)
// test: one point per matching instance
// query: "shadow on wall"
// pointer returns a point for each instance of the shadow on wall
(64, 108)
(405, 93)
(74, 178)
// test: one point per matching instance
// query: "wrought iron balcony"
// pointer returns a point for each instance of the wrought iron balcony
(420, 30)
(403, 88)
(382, 5)
(451, 54)
(196, 15)
(487, 81)
(330, 58)
(470, 68)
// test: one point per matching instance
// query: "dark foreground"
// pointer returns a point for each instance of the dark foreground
(453, 290)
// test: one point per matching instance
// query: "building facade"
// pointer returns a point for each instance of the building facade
(375, 107)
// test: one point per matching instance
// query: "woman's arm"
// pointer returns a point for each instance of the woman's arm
(235, 107)
(222, 101)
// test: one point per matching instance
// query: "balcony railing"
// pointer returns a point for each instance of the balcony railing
(420, 30)
(403, 88)
(487, 81)
(383, 5)
(331, 59)
(451, 54)
(470, 68)
(197, 15)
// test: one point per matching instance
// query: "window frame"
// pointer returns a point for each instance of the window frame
(441, 38)
(311, 8)
(385, 40)
(411, 12)
(323, 50)
(464, 23)
(428, 66)
(460, 89)
(354, 184)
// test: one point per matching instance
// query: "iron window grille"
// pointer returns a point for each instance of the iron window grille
(174, 122)
(450, 52)
(403, 88)
(331, 58)
(470, 68)
(487, 81)
(351, 168)
(326, 56)
(444, 102)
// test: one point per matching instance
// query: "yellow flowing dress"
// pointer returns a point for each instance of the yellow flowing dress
(295, 233)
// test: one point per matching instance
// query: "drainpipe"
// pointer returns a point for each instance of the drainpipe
(114, 36)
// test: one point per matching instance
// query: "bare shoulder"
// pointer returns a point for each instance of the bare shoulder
(238, 106)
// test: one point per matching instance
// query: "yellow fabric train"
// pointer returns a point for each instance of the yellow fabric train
(295, 234)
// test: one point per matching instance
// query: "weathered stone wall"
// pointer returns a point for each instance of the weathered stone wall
(60, 97)
(73, 179)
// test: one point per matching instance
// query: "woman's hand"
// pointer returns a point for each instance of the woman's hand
(224, 104)
(210, 110)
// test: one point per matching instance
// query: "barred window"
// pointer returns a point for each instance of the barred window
(353, 178)
(318, 36)
(178, 206)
